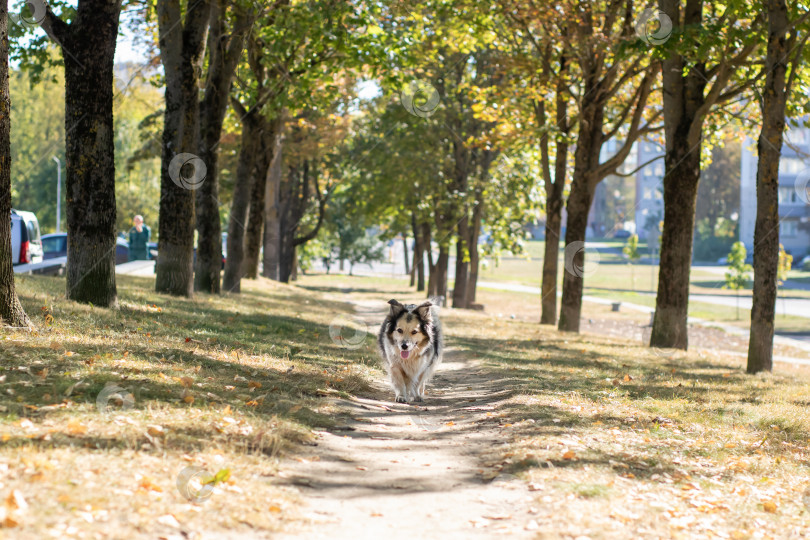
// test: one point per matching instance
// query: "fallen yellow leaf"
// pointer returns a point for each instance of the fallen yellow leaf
(76, 428)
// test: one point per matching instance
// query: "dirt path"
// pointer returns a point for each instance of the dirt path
(404, 471)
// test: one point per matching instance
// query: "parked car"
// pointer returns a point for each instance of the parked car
(621, 233)
(54, 245)
(26, 242)
(805, 264)
(121, 251)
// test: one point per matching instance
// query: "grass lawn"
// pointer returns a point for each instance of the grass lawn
(620, 442)
(711, 312)
(610, 271)
(102, 411)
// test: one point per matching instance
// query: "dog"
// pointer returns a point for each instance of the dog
(411, 345)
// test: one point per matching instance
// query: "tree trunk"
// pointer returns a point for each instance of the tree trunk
(554, 204)
(583, 185)
(680, 198)
(462, 266)
(766, 229)
(88, 49)
(286, 257)
(405, 252)
(294, 272)
(242, 189)
(11, 311)
(181, 170)
(271, 216)
(426, 255)
(685, 106)
(551, 255)
(579, 203)
(441, 273)
(415, 259)
(224, 52)
(475, 232)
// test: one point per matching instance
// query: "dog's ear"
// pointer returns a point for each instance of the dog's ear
(396, 308)
(424, 311)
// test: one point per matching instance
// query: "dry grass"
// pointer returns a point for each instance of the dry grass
(616, 440)
(620, 441)
(100, 410)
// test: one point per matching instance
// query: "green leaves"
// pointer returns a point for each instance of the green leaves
(222, 475)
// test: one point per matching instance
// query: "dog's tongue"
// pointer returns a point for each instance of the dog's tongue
(404, 354)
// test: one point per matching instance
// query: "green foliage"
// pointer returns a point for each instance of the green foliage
(739, 272)
(784, 265)
(713, 240)
(37, 135)
(630, 249)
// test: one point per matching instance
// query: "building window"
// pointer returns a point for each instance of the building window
(791, 166)
(787, 229)
(797, 135)
(788, 195)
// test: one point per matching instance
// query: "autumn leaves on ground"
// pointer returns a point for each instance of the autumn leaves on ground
(104, 416)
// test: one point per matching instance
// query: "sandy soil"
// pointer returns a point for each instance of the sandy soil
(394, 470)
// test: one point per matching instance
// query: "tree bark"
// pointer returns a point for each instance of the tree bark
(579, 202)
(682, 164)
(419, 256)
(586, 161)
(441, 273)
(405, 252)
(248, 153)
(475, 232)
(431, 267)
(88, 49)
(269, 216)
(554, 202)
(462, 266)
(294, 197)
(686, 103)
(11, 310)
(602, 80)
(766, 229)
(181, 51)
(224, 51)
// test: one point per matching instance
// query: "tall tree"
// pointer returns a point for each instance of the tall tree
(703, 66)
(612, 102)
(88, 50)
(554, 185)
(11, 311)
(182, 46)
(226, 37)
(783, 51)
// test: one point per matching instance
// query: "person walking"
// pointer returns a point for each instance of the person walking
(139, 236)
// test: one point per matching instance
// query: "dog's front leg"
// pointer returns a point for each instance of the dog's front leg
(420, 382)
(413, 388)
(398, 382)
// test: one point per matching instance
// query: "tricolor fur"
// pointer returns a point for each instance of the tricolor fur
(410, 343)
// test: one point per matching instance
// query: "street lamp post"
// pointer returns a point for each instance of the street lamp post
(58, 192)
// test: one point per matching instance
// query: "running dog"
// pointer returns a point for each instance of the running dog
(410, 342)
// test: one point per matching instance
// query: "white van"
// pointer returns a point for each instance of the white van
(26, 243)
